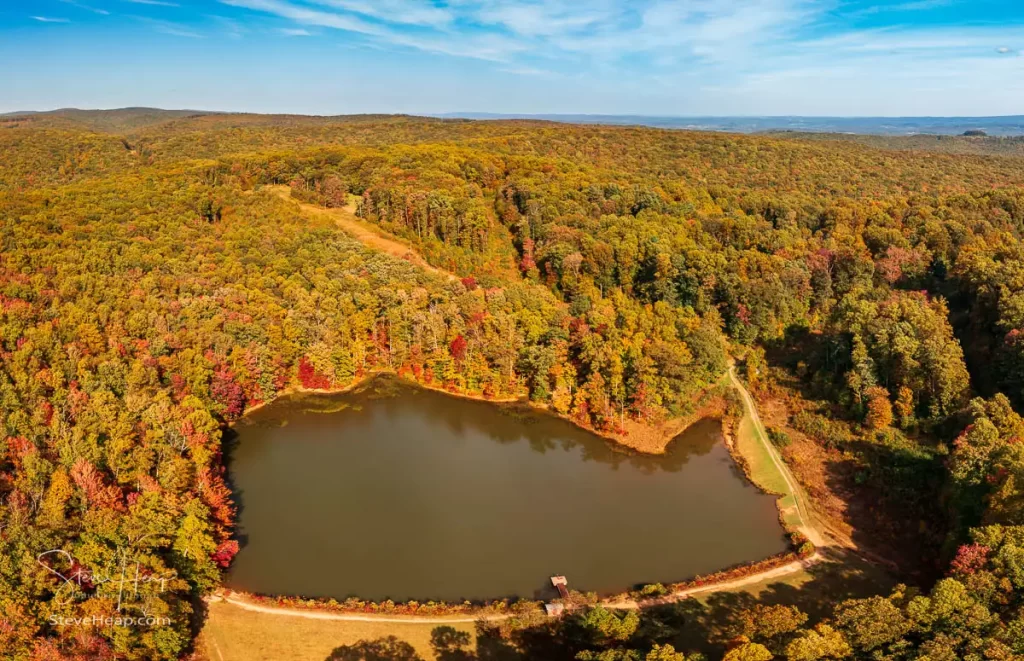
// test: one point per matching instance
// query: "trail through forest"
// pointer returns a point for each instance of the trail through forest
(366, 233)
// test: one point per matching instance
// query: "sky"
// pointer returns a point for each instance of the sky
(640, 57)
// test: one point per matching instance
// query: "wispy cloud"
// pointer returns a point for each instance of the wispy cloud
(940, 40)
(501, 30)
(657, 48)
(915, 5)
(79, 5)
(307, 16)
(154, 3)
(295, 32)
(48, 19)
(232, 28)
(549, 19)
(527, 71)
(173, 29)
(493, 47)
(411, 12)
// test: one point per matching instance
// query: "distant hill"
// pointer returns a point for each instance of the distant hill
(954, 135)
(123, 121)
(1009, 125)
(1003, 145)
(114, 121)
(130, 119)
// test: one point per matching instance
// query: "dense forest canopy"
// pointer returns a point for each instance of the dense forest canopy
(153, 286)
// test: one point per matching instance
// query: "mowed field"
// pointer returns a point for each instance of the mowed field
(234, 634)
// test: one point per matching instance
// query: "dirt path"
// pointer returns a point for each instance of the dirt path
(815, 535)
(627, 604)
(752, 579)
(366, 233)
(216, 648)
(313, 614)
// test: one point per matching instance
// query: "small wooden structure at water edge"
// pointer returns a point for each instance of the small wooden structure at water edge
(561, 584)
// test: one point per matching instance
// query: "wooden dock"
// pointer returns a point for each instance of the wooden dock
(561, 584)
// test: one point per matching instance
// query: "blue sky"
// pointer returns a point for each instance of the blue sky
(652, 57)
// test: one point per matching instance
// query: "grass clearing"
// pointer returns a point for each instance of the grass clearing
(366, 233)
(233, 634)
(752, 445)
(769, 471)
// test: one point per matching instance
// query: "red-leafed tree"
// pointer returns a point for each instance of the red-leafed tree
(217, 496)
(87, 478)
(225, 553)
(310, 378)
(457, 348)
(227, 393)
(91, 482)
(527, 263)
(970, 558)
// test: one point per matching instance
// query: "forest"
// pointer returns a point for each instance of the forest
(153, 288)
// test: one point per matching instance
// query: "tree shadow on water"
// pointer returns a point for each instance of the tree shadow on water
(229, 445)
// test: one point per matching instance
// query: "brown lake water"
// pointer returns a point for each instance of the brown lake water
(398, 492)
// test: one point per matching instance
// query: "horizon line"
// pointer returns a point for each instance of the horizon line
(470, 114)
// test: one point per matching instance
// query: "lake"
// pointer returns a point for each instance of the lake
(393, 491)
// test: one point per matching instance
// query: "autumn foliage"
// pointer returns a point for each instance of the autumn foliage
(310, 378)
(149, 295)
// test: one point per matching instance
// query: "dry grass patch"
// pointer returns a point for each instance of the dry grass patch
(233, 634)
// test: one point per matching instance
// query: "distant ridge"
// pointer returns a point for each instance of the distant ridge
(127, 119)
(132, 110)
(993, 126)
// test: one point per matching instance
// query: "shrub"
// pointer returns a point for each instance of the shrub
(653, 590)
(820, 428)
(779, 438)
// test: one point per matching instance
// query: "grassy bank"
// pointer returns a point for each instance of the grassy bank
(751, 445)
(233, 634)
(766, 468)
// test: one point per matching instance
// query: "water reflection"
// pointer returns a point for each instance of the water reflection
(503, 422)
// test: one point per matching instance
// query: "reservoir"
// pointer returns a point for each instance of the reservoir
(393, 491)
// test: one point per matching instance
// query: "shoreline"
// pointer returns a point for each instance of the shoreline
(666, 432)
(368, 377)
